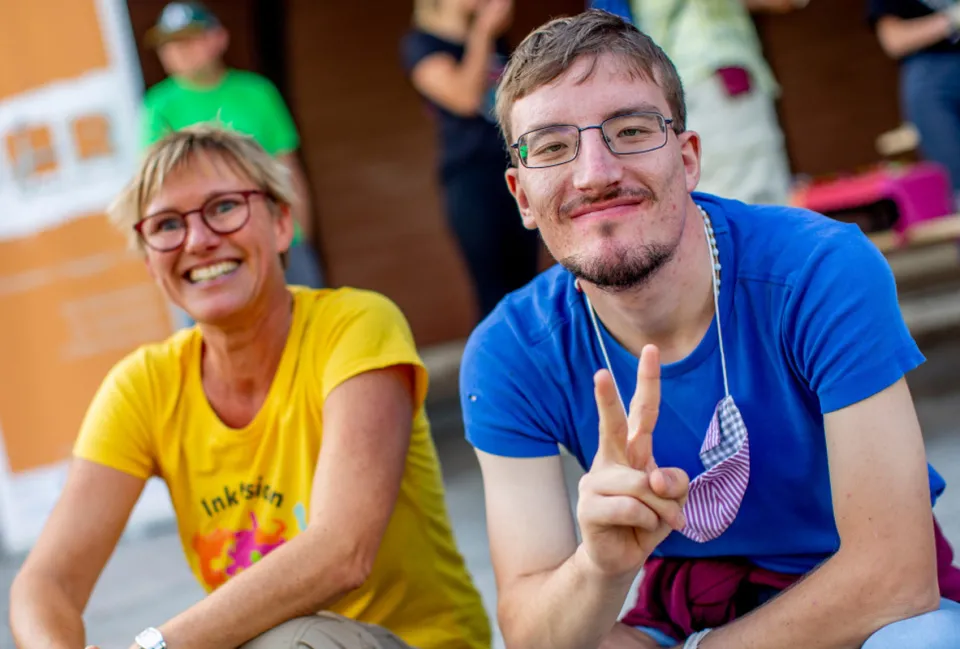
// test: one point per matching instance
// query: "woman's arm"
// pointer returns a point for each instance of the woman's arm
(899, 37)
(51, 590)
(367, 423)
(460, 87)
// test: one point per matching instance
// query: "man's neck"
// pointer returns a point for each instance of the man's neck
(674, 309)
(205, 78)
(242, 361)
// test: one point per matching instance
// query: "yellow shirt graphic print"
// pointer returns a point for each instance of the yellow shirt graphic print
(226, 551)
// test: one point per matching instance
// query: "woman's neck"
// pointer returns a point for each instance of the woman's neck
(242, 361)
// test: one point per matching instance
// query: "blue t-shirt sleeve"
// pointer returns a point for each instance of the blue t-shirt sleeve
(842, 324)
(506, 403)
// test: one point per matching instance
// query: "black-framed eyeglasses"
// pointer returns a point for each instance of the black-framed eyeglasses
(223, 213)
(623, 134)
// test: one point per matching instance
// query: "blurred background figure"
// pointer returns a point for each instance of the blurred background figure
(190, 42)
(730, 90)
(924, 36)
(454, 55)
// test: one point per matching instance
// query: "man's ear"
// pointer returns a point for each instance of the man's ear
(690, 152)
(221, 39)
(519, 195)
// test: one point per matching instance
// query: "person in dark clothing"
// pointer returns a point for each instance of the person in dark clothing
(453, 55)
(924, 36)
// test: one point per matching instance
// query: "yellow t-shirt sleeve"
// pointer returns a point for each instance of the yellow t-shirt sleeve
(368, 333)
(116, 429)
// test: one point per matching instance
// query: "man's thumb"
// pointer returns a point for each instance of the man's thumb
(670, 483)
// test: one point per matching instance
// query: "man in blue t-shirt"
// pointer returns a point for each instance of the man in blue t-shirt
(731, 377)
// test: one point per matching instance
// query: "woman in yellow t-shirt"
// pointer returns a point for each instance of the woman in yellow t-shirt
(288, 425)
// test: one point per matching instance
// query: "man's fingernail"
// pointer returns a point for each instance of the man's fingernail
(668, 478)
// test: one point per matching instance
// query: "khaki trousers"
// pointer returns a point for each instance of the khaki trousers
(326, 631)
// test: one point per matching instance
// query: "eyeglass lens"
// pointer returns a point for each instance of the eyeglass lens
(223, 214)
(553, 145)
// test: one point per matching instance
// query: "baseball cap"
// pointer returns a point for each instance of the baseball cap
(181, 19)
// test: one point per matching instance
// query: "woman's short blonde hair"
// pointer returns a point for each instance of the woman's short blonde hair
(178, 148)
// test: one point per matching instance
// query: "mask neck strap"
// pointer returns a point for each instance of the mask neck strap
(714, 253)
(715, 276)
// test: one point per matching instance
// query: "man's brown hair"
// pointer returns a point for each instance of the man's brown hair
(552, 49)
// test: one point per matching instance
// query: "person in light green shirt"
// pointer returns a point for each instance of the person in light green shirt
(190, 42)
(730, 90)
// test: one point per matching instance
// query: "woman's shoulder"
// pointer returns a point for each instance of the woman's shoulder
(417, 45)
(159, 359)
(330, 308)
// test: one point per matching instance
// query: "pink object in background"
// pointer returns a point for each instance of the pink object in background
(918, 192)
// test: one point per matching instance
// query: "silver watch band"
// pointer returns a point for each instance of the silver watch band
(694, 641)
(150, 638)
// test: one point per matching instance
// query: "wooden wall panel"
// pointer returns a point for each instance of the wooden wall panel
(370, 149)
(839, 89)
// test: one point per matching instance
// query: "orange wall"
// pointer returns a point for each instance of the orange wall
(47, 40)
(73, 299)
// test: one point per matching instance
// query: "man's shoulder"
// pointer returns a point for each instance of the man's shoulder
(532, 313)
(247, 80)
(780, 242)
(528, 324)
(161, 93)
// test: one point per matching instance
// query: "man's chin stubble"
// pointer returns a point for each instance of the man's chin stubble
(623, 275)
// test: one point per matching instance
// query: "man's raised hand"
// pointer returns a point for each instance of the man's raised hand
(627, 504)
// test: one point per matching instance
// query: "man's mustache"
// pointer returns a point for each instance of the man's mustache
(633, 193)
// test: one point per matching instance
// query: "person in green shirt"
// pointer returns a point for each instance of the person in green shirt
(190, 42)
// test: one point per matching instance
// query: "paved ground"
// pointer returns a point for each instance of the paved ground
(147, 580)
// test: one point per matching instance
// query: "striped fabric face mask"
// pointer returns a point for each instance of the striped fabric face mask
(715, 495)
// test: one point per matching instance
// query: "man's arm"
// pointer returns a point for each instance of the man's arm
(50, 592)
(885, 569)
(355, 488)
(302, 213)
(552, 592)
(539, 568)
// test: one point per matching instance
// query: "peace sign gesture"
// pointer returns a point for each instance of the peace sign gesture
(627, 504)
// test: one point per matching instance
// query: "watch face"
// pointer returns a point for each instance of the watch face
(150, 639)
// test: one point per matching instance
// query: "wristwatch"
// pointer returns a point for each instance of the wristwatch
(694, 641)
(150, 638)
